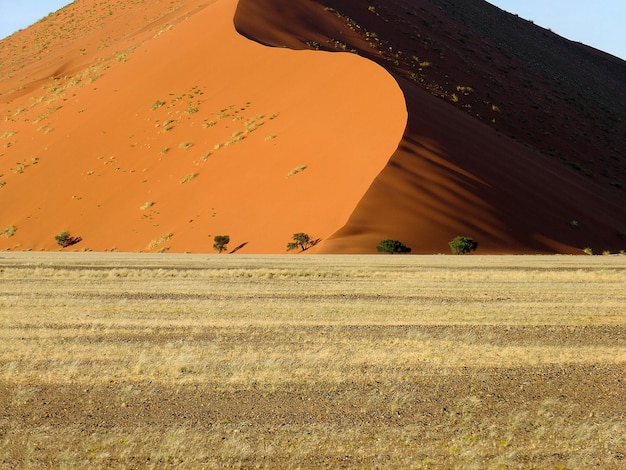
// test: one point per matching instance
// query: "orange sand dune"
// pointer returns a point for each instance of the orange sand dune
(161, 126)
(148, 126)
(452, 174)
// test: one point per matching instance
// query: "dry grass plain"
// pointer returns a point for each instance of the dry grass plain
(197, 361)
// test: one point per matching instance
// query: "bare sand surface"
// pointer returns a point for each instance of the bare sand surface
(189, 130)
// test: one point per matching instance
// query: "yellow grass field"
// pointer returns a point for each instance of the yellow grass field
(205, 361)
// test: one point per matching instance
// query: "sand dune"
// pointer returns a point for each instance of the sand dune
(452, 174)
(149, 127)
(207, 131)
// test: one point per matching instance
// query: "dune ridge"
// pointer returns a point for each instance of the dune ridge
(181, 129)
(152, 127)
(456, 171)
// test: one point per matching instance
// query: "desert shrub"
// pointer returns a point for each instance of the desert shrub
(300, 240)
(185, 145)
(588, 251)
(64, 239)
(9, 231)
(392, 246)
(462, 245)
(220, 242)
(296, 170)
(164, 238)
(188, 178)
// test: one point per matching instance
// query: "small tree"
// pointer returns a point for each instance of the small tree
(462, 245)
(392, 246)
(300, 240)
(220, 242)
(64, 239)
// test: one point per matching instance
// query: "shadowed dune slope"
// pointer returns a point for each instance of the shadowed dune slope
(156, 126)
(516, 137)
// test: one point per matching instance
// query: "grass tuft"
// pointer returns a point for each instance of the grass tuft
(296, 170)
(164, 238)
(188, 178)
(9, 231)
(185, 145)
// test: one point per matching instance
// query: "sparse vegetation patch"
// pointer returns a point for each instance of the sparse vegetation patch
(9, 231)
(296, 170)
(159, 241)
(373, 362)
(188, 178)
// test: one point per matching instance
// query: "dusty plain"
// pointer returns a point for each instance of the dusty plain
(198, 361)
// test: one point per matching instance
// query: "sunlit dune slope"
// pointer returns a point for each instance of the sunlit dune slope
(151, 126)
(516, 137)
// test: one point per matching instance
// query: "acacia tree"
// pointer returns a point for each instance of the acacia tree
(220, 242)
(392, 246)
(300, 240)
(462, 245)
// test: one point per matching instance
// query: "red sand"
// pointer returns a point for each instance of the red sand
(109, 106)
(452, 174)
(272, 110)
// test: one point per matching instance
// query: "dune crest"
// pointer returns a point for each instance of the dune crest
(181, 129)
(455, 172)
(155, 126)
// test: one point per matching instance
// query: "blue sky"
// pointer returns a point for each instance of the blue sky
(598, 23)
(19, 14)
